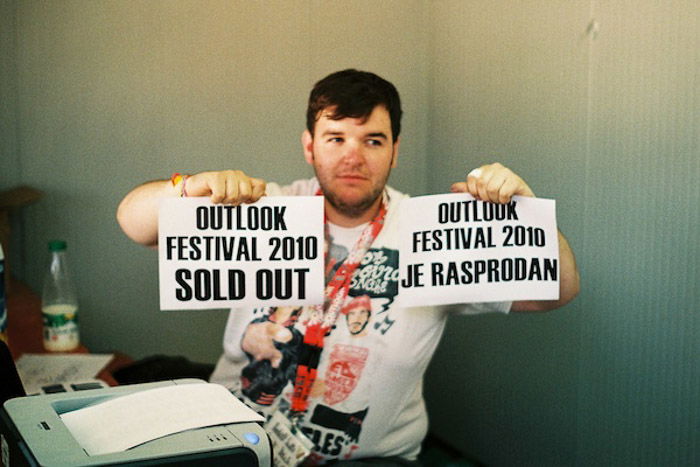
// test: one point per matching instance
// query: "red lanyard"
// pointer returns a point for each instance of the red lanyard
(323, 316)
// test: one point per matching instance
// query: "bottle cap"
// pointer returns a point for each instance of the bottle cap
(57, 245)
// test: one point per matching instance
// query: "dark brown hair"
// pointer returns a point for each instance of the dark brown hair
(354, 94)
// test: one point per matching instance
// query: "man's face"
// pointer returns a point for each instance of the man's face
(352, 159)
(357, 320)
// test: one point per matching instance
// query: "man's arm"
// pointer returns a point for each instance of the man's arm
(137, 214)
(568, 283)
(498, 184)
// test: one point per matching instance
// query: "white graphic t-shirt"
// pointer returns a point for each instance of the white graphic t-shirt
(367, 399)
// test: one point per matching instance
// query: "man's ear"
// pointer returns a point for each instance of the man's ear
(307, 144)
(395, 153)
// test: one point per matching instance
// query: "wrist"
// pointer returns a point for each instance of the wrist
(179, 182)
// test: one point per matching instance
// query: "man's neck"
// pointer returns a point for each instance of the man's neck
(343, 220)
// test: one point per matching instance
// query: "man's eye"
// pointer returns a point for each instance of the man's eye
(374, 142)
(337, 139)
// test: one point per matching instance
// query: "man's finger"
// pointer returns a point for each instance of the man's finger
(495, 186)
(217, 185)
(473, 180)
(232, 190)
(476, 173)
(482, 185)
(258, 189)
(507, 190)
(245, 191)
(459, 187)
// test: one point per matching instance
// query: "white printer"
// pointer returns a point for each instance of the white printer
(33, 432)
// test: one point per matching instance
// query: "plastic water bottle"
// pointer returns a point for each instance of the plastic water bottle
(3, 305)
(59, 305)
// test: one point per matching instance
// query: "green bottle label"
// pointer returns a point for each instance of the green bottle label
(60, 327)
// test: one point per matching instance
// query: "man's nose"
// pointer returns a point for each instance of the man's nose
(353, 153)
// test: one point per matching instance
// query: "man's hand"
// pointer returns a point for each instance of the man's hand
(226, 186)
(496, 183)
(138, 212)
(493, 182)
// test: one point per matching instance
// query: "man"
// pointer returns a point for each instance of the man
(354, 398)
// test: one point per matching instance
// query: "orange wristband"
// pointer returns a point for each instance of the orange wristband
(179, 180)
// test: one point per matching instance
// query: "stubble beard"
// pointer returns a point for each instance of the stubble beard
(352, 210)
(358, 208)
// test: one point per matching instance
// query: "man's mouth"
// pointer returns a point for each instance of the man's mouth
(352, 177)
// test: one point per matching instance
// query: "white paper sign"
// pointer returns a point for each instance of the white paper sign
(455, 249)
(222, 256)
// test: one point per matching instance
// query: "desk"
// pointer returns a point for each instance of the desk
(24, 329)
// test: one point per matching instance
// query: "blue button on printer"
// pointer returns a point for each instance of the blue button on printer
(252, 438)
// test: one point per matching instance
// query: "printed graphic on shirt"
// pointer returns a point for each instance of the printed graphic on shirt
(344, 371)
(271, 344)
(377, 275)
(333, 431)
(378, 278)
(340, 398)
(358, 313)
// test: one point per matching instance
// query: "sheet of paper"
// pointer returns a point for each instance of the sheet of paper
(222, 256)
(127, 421)
(37, 370)
(455, 249)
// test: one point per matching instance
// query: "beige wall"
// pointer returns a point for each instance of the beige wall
(596, 104)
(113, 93)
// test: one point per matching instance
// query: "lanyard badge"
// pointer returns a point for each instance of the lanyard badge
(323, 316)
(290, 445)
